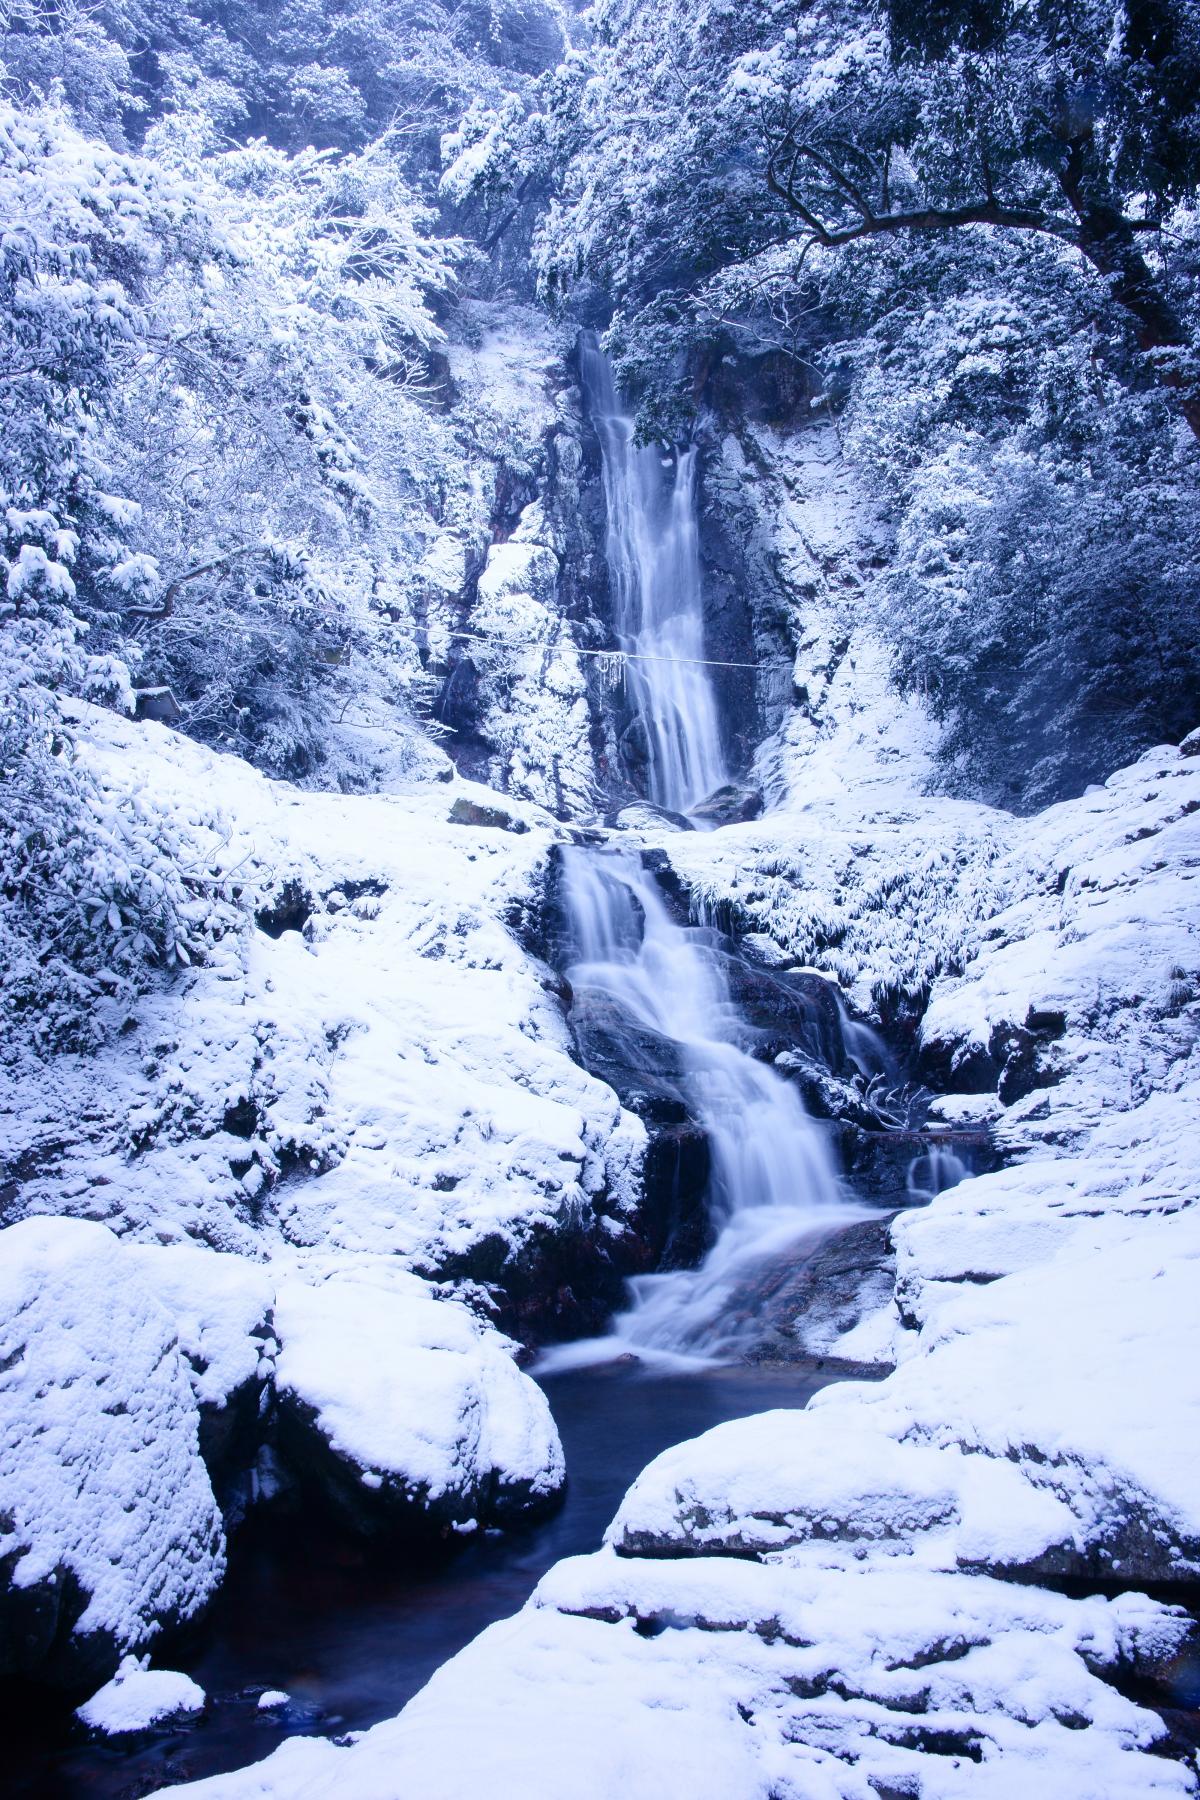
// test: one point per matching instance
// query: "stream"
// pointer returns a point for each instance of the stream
(347, 1637)
(351, 1638)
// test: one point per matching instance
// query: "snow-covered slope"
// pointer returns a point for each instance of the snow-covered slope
(368, 1089)
(809, 1604)
(393, 1077)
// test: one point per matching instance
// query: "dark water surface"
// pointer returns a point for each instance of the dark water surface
(350, 1639)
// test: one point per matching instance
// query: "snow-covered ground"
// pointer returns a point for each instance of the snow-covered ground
(392, 1078)
(297, 1141)
(814, 1604)
(292, 1144)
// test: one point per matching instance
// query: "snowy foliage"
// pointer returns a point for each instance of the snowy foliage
(950, 224)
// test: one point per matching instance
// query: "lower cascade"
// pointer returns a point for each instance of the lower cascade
(772, 1182)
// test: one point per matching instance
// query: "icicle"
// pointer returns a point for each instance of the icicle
(610, 665)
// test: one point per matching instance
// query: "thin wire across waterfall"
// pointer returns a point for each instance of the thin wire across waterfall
(653, 552)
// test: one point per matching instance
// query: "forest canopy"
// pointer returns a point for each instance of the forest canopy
(238, 240)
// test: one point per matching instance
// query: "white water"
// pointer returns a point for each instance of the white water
(772, 1183)
(933, 1171)
(654, 561)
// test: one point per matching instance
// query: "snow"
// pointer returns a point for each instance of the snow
(104, 1492)
(271, 1698)
(138, 1698)
(813, 1603)
(221, 1306)
(721, 1677)
(403, 1074)
(780, 1479)
(298, 1139)
(423, 1404)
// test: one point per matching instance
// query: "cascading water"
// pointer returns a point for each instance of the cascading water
(654, 561)
(771, 1180)
(771, 1183)
(932, 1172)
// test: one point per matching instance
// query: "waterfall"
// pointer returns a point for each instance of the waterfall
(771, 1181)
(932, 1172)
(654, 562)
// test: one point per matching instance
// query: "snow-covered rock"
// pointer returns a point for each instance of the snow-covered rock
(733, 1680)
(780, 1479)
(380, 1067)
(403, 1407)
(110, 1533)
(1042, 1318)
(221, 1306)
(138, 1699)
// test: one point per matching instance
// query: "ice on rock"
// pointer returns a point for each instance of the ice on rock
(110, 1529)
(402, 1404)
(138, 1698)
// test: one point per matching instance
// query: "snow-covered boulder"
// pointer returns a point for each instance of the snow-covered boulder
(222, 1309)
(138, 1699)
(109, 1533)
(403, 1408)
(769, 1483)
(1082, 1371)
(720, 1679)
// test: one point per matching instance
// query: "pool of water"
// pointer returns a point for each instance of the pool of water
(349, 1637)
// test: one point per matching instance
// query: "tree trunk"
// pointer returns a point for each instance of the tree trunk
(1109, 244)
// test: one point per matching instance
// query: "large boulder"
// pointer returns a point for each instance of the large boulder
(109, 1533)
(404, 1410)
(729, 805)
(222, 1307)
(754, 1487)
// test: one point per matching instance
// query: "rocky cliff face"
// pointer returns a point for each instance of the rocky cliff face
(521, 707)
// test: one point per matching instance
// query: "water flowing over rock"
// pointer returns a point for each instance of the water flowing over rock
(657, 602)
(770, 1179)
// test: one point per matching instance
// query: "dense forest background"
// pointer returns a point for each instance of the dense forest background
(237, 240)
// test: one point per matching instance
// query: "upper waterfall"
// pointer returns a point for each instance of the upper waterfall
(654, 560)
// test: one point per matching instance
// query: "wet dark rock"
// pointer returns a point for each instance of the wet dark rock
(633, 747)
(807, 1305)
(877, 1163)
(471, 812)
(1016, 1060)
(785, 1009)
(644, 1068)
(674, 889)
(289, 909)
(565, 1280)
(729, 805)
(231, 1436)
(676, 1229)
